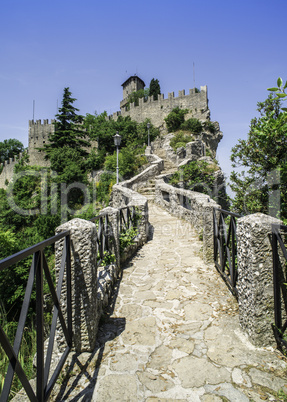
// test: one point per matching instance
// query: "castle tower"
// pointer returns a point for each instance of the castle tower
(132, 84)
(39, 134)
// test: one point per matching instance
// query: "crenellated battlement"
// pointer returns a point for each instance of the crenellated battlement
(156, 110)
(15, 159)
(8, 169)
(38, 123)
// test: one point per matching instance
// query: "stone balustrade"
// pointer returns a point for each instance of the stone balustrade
(196, 208)
(92, 285)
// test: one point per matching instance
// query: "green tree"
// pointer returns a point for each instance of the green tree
(69, 131)
(10, 148)
(154, 88)
(129, 162)
(262, 158)
(136, 95)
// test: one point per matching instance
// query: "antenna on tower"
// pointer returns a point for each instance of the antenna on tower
(193, 75)
(33, 110)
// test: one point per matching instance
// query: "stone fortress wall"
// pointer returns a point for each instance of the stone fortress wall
(157, 110)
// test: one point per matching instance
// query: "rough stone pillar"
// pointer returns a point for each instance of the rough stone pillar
(208, 239)
(143, 224)
(85, 315)
(255, 277)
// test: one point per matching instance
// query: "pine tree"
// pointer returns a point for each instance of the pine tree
(69, 131)
(154, 89)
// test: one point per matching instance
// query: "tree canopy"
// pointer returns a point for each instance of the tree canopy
(261, 185)
(10, 148)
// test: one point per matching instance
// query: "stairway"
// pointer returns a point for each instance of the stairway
(149, 190)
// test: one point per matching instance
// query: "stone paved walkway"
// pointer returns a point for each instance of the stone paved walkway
(174, 334)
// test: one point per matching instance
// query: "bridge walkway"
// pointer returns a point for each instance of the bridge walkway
(174, 333)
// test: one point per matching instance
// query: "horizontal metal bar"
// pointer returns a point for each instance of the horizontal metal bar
(228, 213)
(13, 259)
(279, 227)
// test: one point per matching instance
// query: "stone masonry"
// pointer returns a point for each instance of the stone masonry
(174, 333)
(157, 110)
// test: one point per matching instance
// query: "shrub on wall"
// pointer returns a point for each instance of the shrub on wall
(209, 126)
(180, 140)
(175, 119)
(192, 125)
(196, 176)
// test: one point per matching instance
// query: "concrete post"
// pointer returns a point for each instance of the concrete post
(255, 277)
(85, 314)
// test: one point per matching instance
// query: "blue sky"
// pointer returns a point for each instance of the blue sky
(238, 47)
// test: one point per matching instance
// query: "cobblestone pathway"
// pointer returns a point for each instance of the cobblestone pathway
(174, 333)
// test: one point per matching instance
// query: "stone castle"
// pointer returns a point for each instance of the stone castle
(156, 110)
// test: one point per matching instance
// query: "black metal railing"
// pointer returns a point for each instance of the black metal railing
(279, 237)
(39, 269)
(105, 237)
(128, 218)
(225, 246)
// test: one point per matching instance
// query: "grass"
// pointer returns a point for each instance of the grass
(26, 354)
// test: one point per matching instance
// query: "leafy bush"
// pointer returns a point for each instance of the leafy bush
(199, 176)
(129, 162)
(180, 140)
(193, 125)
(196, 176)
(175, 119)
(108, 258)
(104, 187)
(127, 238)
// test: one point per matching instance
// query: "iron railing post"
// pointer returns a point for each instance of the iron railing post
(40, 326)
